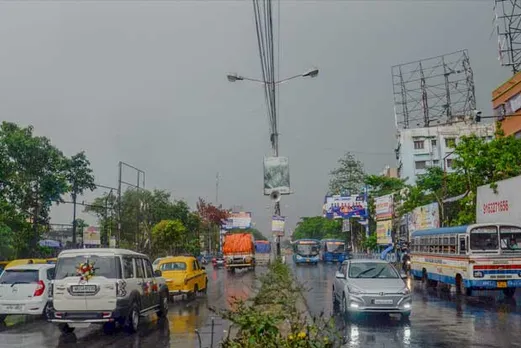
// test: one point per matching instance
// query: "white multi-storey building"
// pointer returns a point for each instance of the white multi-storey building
(421, 148)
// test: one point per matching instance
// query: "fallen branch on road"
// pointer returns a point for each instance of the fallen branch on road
(272, 318)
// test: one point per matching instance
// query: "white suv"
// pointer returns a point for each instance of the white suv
(121, 288)
(24, 290)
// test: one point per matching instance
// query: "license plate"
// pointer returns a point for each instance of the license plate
(501, 284)
(11, 308)
(84, 289)
(383, 301)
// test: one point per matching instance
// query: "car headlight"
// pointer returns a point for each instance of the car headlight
(478, 274)
(356, 291)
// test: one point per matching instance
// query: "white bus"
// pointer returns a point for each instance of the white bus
(473, 257)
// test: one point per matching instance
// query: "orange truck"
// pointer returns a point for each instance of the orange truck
(238, 251)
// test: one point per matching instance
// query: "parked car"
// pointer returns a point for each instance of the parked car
(218, 261)
(24, 289)
(371, 286)
(25, 262)
(105, 286)
(184, 275)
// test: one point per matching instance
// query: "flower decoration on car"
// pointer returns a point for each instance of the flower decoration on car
(85, 271)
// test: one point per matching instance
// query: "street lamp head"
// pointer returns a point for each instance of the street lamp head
(234, 77)
(311, 73)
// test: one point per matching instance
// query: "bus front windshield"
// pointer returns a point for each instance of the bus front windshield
(510, 238)
(335, 247)
(484, 239)
(307, 249)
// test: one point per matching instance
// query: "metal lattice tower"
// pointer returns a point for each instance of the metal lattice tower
(508, 26)
(433, 91)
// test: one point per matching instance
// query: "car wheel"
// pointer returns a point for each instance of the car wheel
(132, 322)
(45, 312)
(344, 310)
(163, 305)
(66, 329)
(193, 295)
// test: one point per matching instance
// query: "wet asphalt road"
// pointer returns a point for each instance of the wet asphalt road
(440, 318)
(184, 317)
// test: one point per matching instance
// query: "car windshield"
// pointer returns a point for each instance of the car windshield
(19, 276)
(484, 238)
(104, 266)
(510, 238)
(372, 270)
(307, 249)
(335, 247)
(173, 266)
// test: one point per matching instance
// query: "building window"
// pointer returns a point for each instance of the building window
(418, 144)
(420, 164)
(435, 163)
(433, 143)
(449, 162)
(450, 142)
(517, 135)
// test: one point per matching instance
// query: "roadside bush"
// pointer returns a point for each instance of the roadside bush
(272, 318)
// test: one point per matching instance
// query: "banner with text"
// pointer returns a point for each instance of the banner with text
(277, 225)
(276, 175)
(344, 207)
(91, 236)
(424, 217)
(383, 232)
(384, 207)
(239, 220)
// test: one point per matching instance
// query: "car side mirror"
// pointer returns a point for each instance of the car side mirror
(158, 273)
(340, 275)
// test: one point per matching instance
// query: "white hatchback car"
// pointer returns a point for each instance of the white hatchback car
(24, 290)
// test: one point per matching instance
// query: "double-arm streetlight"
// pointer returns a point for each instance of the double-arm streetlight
(274, 137)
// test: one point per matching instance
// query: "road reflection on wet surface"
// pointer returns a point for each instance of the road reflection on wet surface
(440, 318)
(184, 317)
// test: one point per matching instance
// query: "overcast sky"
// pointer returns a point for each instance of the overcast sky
(145, 83)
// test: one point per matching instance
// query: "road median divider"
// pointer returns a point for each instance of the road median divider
(277, 316)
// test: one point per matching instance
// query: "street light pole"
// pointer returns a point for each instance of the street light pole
(274, 136)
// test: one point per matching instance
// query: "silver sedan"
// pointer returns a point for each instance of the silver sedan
(371, 286)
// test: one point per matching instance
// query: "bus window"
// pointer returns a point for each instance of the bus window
(510, 238)
(462, 249)
(484, 238)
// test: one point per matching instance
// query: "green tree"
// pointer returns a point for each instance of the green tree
(348, 176)
(80, 178)
(32, 179)
(318, 227)
(167, 236)
(380, 185)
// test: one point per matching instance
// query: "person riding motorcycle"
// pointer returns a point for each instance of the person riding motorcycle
(406, 262)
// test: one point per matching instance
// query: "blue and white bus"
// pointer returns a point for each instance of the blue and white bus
(332, 250)
(306, 251)
(473, 257)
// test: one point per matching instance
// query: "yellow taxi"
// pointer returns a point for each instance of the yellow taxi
(183, 275)
(3, 264)
(20, 262)
(52, 260)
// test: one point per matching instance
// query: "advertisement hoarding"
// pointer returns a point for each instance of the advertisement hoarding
(91, 236)
(276, 175)
(238, 220)
(500, 206)
(424, 217)
(384, 207)
(344, 207)
(383, 232)
(277, 225)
